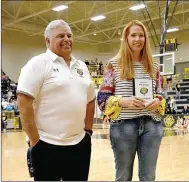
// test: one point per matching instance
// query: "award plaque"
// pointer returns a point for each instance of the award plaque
(143, 88)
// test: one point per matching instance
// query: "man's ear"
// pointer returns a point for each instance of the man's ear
(47, 41)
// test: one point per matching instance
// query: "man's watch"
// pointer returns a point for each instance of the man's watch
(89, 131)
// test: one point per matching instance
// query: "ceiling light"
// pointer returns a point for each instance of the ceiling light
(99, 17)
(94, 34)
(60, 8)
(172, 29)
(137, 7)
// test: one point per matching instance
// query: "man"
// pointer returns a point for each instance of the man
(185, 110)
(56, 99)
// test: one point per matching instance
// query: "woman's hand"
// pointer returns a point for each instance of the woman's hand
(132, 102)
(153, 104)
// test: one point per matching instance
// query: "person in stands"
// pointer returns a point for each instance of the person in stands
(178, 90)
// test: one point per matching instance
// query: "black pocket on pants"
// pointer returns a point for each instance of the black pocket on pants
(36, 144)
(86, 139)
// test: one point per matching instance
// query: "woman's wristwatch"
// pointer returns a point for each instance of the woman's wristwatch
(90, 132)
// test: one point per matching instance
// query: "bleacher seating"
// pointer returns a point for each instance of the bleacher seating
(184, 99)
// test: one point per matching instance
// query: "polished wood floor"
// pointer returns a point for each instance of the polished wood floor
(173, 162)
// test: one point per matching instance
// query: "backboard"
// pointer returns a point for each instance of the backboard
(166, 62)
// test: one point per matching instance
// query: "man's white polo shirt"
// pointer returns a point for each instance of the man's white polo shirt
(60, 96)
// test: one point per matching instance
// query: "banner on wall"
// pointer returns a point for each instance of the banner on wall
(186, 73)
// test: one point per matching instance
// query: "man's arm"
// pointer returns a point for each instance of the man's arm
(27, 117)
(90, 115)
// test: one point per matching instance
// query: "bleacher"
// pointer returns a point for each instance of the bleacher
(184, 99)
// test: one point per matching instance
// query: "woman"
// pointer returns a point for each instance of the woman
(135, 125)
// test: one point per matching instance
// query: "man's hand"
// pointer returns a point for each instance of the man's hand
(153, 104)
(34, 142)
(132, 102)
(89, 115)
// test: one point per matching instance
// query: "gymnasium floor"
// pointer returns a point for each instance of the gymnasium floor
(173, 162)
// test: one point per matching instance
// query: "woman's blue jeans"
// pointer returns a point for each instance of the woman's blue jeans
(142, 135)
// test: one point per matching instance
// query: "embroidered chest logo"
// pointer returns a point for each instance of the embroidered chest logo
(80, 72)
(56, 70)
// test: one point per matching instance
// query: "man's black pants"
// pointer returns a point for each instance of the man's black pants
(67, 163)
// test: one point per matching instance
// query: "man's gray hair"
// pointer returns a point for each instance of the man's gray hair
(52, 25)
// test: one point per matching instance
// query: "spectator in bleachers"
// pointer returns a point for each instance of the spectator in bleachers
(178, 90)
(186, 123)
(173, 105)
(13, 104)
(179, 123)
(167, 110)
(185, 110)
(161, 81)
(165, 90)
(169, 82)
(4, 103)
(168, 100)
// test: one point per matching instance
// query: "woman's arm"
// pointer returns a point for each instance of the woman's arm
(107, 88)
(108, 103)
(158, 82)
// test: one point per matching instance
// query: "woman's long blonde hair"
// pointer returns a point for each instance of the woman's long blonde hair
(124, 55)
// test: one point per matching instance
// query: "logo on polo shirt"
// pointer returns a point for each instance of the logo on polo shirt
(80, 72)
(56, 70)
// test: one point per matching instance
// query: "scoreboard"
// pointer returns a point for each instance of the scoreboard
(170, 44)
